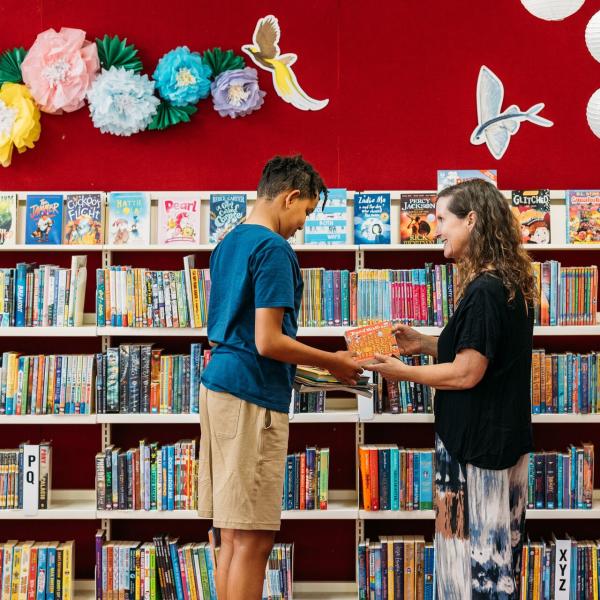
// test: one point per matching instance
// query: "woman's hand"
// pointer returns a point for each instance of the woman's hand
(391, 368)
(408, 340)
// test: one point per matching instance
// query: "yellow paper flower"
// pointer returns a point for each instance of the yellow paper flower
(19, 121)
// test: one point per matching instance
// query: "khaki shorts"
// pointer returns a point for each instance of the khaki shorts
(243, 450)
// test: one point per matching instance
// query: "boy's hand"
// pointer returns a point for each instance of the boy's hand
(408, 340)
(344, 367)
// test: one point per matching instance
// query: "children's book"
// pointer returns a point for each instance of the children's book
(448, 177)
(83, 219)
(178, 221)
(418, 224)
(583, 216)
(43, 219)
(129, 218)
(532, 208)
(369, 340)
(328, 224)
(226, 211)
(8, 219)
(372, 218)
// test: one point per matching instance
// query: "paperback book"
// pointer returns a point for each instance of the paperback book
(226, 211)
(43, 223)
(129, 218)
(372, 218)
(448, 177)
(8, 219)
(583, 216)
(369, 340)
(178, 221)
(328, 225)
(418, 224)
(83, 219)
(532, 208)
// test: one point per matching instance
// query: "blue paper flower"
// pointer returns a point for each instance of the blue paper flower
(181, 77)
(122, 102)
(235, 93)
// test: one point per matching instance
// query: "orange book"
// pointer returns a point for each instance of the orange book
(363, 457)
(409, 567)
(369, 340)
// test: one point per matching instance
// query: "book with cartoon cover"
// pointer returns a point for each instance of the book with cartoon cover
(83, 219)
(448, 177)
(43, 219)
(372, 218)
(226, 211)
(418, 224)
(8, 219)
(369, 340)
(532, 208)
(178, 221)
(328, 225)
(583, 216)
(129, 218)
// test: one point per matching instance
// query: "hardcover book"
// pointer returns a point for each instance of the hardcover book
(43, 223)
(372, 218)
(178, 221)
(226, 211)
(83, 219)
(129, 218)
(328, 225)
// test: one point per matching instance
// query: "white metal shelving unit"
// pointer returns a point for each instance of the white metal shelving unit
(80, 504)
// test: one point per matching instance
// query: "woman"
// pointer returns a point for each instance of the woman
(482, 402)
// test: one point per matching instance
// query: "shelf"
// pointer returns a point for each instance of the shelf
(160, 248)
(85, 331)
(144, 418)
(349, 415)
(566, 418)
(326, 248)
(33, 420)
(65, 505)
(76, 249)
(401, 418)
(152, 331)
(440, 247)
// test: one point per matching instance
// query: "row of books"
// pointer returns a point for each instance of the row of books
(565, 383)
(44, 296)
(37, 570)
(309, 402)
(139, 378)
(567, 295)
(399, 397)
(396, 567)
(46, 384)
(395, 478)
(25, 476)
(561, 479)
(131, 297)
(149, 477)
(306, 483)
(415, 297)
(170, 570)
(560, 569)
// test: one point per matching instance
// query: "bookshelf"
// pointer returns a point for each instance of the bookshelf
(68, 505)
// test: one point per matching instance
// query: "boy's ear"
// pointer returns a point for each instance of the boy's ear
(290, 197)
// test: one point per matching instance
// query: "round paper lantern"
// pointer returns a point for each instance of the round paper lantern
(592, 36)
(593, 113)
(552, 10)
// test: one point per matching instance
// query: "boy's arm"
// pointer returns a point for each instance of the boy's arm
(271, 342)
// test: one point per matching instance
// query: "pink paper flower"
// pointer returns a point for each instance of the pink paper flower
(59, 68)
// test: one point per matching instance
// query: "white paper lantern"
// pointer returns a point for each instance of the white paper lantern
(552, 10)
(593, 113)
(592, 36)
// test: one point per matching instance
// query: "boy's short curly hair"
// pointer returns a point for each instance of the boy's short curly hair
(283, 173)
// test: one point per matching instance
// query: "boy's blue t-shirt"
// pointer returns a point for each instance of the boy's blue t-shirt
(253, 267)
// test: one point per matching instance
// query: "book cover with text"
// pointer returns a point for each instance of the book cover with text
(8, 219)
(128, 221)
(328, 225)
(83, 219)
(226, 211)
(583, 216)
(532, 209)
(43, 219)
(448, 177)
(418, 224)
(178, 221)
(372, 218)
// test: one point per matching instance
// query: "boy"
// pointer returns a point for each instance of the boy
(254, 303)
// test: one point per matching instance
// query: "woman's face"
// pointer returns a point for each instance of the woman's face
(452, 230)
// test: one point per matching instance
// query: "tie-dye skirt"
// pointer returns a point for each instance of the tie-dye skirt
(479, 528)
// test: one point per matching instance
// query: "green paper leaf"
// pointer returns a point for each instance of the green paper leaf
(168, 115)
(114, 52)
(220, 61)
(10, 65)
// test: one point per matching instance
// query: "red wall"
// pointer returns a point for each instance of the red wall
(400, 76)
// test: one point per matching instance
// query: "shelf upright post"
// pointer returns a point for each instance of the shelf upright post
(106, 427)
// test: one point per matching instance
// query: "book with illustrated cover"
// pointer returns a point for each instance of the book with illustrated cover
(418, 224)
(226, 211)
(83, 219)
(328, 225)
(129, 218)
(43, 219)
(448, 177)
(8, 219)
(369, 340)
(583, 216)
(532, 208)
(372, 218)
(178, 221)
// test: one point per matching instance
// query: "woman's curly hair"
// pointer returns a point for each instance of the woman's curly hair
(495, 241)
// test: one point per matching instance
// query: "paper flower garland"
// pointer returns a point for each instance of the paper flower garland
(59, 69)
(62, 70)
(19, 121)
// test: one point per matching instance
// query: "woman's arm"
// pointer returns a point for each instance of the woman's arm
(464, 373)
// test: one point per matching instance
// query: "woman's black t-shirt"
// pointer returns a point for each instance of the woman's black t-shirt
(489, 425)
